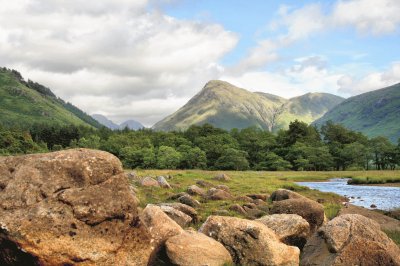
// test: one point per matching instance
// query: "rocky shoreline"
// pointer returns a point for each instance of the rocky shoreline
(76, 207)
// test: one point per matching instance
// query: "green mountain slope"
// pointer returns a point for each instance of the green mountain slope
(375, 113)
(25, 103)
(227, 106)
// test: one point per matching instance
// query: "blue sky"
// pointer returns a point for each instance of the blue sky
(144, 59)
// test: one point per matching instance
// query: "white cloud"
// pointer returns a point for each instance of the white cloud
(117, 49)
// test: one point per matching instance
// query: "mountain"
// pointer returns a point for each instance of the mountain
(375, 113)
(105, 121)
(23, 103)
(227, 106)
(131, 124)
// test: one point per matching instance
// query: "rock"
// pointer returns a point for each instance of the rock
(203, 183)
(160, 226)
(196, 249)
(250, 242)
(350, 239)
(373, 206)
(178, 195)
(186, 209)
(284, 194)
(263, 197)
(163, 182)
(237, 208)
(222, 177)
(243, 198)
(188, 200)
(218, 194)
(69, 207)
(291, 229)
(250, 205)
(310, 210)
(258, 202)
(223, 187)
(179, 217)
(195, 190)
(132, 175)
(253, 213)
(221, 212)
(149, 182)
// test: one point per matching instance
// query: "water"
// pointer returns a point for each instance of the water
(385, 198)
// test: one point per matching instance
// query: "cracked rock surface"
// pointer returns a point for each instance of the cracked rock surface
(71, 207)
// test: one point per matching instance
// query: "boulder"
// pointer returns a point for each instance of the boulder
(179, 217)
(69, 207)
(291, 229)
(350, 239)
(188, 200)
(253, 213)
(186, 209)
(223, 187)
(149, 182)
(178, 195)
(222, 177)
(250, 242)
(163, 182)
(203, 183)
(196, 249)
(218, 194)
(159, 225)
(263, 197)
(284, 194)
(243, 198)
(310, 210)
(237, 208)
(195, 190)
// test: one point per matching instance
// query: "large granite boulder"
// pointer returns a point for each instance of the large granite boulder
(250, 242)
(196, 249)
(291, 229)
(351, 239)
(179, 217)
(218, 194)
(284, 194)
(69, 207)
(186, 209)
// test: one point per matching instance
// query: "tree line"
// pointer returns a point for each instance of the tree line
(300, 147)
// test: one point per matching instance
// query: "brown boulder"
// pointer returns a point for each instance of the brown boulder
(203, 183)
(69, 207)
(188, 200)
(263, 197)
(196, 249)
(284, 194)
(218, 194)
(195, 190)
(351, 239)
(163, 182)
(291, 229)
(237, 208)
(250, 242)
(222, 177)
(186, 209)
(223, 187)
(179, 217)
(310, 210)
(149, 182)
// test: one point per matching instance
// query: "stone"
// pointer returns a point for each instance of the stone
(223, 187)
(253, 213)
(284, 194)
(196, 249)
(188, 200)
(69, 207)
(291, 229)
(218, 194)
(250, 242)
(195, 190)
(258, 202)
(243, 198)
(177, 196)
(222, 177)
(163, 182)
(186, 209)
(160, 226)
(133, 175)
(179, 217)
(262, 197)
(311, 211)
(203, 183)
(149, 182)
(373, 206)
(350, 239)
(237, 208)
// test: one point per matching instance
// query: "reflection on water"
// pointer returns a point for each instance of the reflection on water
(385, 198)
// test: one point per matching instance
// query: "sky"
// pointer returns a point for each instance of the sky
(143, 59)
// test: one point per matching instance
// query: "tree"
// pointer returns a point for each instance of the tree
(382, 150)
(232, 159)
(168, 158)
(92, 142)
(192, 158)
(272, 161)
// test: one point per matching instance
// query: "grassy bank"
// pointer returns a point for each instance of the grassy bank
(376, 177)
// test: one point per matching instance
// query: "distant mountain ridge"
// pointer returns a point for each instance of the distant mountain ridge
(374, 113)
(226, 106)
(24, 103)
(131, 124)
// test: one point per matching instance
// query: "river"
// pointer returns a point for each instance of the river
(385, 198)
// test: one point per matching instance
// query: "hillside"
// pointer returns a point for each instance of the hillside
(25, 103)
(131, 124)
(374, 113)
(227, 106)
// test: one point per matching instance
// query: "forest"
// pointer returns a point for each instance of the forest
(301, 147)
